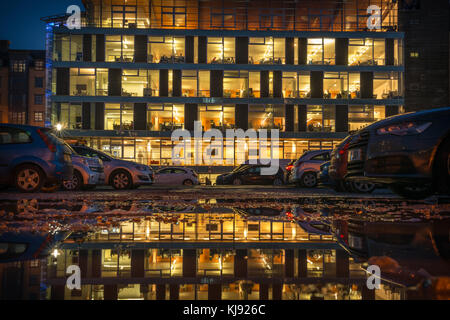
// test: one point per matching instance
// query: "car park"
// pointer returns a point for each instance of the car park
(87, 173)
(176, 176)
(409, 152)
(32, 158)
(251, 175)
(120, 174)
(307, 166)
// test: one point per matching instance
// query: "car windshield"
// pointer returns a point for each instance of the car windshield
(239, 168)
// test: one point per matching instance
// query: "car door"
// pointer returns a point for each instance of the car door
(13, 142)
(254, 175)
(164, 176)
(179, 175)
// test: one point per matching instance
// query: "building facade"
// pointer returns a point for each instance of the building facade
(137, 70)
(426, 28)
(22, 85)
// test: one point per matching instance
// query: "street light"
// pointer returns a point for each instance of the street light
(59, 127)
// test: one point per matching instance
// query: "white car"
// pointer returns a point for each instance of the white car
(305, 169)
(176, 176)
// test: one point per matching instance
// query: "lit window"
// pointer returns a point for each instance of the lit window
(18, 66)
(38, 116)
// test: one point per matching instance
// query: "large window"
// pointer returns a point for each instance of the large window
(361, 116)
(266, 50)
(235, 84)
(216, 117)
(204, 84)
(254, 80)
(82, 82)
(354, 85)
(289, 84)
(119, 48)
(135, 83)
(335, 85)
(119, 116)
(153, 84)
(173, 15)
(221, 50)
(70, 116)
(101, 82)
(321, 51)
(304, 84)
(266, 117)
(320, 118)
(386, 85)
(366, 52)
(166, 50)
(165, 117)
(189, 83)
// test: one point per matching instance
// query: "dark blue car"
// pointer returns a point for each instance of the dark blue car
(32, 157)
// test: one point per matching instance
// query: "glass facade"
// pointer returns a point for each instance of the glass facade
(232, 78)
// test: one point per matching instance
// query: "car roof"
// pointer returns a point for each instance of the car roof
(22, 126)
(410, 116)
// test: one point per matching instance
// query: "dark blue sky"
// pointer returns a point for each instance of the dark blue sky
(20, 20)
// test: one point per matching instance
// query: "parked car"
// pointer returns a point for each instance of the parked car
(120, 174)
(306, 167)
(338, 169)
(176, 176)
(87, 173)
(251, 174)
(409, 152)
(32, 158)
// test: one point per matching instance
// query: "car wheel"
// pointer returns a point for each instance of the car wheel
(443, 168)
(277, 182)
(121, 180)
(75, 183)
(412, 192)
(362, 187)
(29, 178)
(50, 187)
(188, 182)
(237, 182)
(309, 180)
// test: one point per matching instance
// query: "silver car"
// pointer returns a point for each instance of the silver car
(176, 176)
(87, 173)
(120, 174)
(307, 166)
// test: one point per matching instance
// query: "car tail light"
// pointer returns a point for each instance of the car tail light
(289, 167)
(344, 149)
(51, 146)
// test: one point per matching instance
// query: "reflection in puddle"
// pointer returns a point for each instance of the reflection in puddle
(224, 249)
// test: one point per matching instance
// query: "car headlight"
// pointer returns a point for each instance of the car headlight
(403, 129)
(141, 168)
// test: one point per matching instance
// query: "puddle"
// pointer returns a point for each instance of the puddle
(174, 248)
